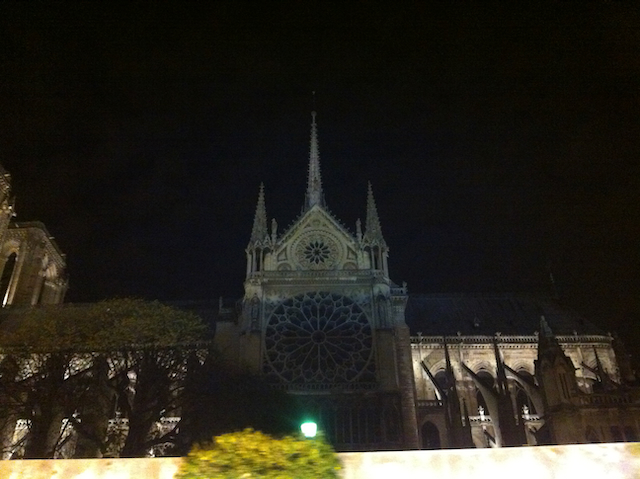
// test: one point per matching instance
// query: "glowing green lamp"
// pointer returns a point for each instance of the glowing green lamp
(309, 429)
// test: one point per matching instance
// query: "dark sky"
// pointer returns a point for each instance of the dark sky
(502, 140)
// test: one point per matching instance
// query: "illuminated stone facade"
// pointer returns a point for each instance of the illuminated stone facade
(379, 368)
(33, 268)
(322, 319)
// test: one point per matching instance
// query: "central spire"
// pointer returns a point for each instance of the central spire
(314, 194)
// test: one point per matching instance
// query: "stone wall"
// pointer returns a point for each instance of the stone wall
(138, 468)
(619, 461)
(586, 461)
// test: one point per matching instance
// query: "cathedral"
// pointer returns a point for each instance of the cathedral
(379, 368)
(376, 367)
(33, 267)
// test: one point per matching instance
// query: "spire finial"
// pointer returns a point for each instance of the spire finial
(259, 231)
(545, 329)
(314, 183)
(373, 230)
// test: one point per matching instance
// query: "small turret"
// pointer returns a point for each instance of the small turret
(372, 238)
(260, 239)
(554, 370)
(373, 230)
(259, 231)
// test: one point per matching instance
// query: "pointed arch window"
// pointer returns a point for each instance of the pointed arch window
(522, 398)
(7, 274)
(430, 436)
(487, 380)
(441, 379)
(376, 261)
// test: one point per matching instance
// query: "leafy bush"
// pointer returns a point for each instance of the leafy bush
(252, 454)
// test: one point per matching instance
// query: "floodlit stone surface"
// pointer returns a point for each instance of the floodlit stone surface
(139, 468)
(601, 461)
(611, 461)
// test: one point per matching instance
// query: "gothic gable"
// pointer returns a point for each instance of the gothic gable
(316, 241)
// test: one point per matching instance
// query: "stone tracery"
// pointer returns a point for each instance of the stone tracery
(319, 337)
(317, 250)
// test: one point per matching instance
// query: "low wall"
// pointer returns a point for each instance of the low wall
(138, 468)
(601, 461)
(580, 461)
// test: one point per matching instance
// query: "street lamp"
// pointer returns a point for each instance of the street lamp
(309, 429)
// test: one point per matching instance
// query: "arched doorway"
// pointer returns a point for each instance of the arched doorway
(430, 436)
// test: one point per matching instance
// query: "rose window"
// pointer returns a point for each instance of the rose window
(316, 252)
(319, 338)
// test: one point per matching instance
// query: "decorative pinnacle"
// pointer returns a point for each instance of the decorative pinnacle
(259, 231)
(545, 330)
(373, 230)
(314, 183)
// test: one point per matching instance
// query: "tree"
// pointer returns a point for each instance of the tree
(252, 454)
(84, 363)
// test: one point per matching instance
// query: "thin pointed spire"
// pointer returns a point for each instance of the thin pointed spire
(545, 330)
(259, 231)
(548, 344)
(373, 230)
(314, 195)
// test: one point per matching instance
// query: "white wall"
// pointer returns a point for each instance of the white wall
(584, 461)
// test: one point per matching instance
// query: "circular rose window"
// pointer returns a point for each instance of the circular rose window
(319, 338)
(317, 250)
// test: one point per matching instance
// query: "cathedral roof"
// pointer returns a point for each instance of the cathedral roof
(486, 314)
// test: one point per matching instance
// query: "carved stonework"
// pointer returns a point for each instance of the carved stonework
(32, 267)
(319, 337)
(326, 325)
(317, 250)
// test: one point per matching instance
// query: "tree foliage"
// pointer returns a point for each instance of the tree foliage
(114, 373)
(109, 325)
(85, 363)
(252, 454)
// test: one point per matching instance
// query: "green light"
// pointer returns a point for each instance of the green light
(309, 429)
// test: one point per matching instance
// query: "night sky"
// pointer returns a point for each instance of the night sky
(502, 140)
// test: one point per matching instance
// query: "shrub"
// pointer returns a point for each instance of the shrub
(252, 454)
